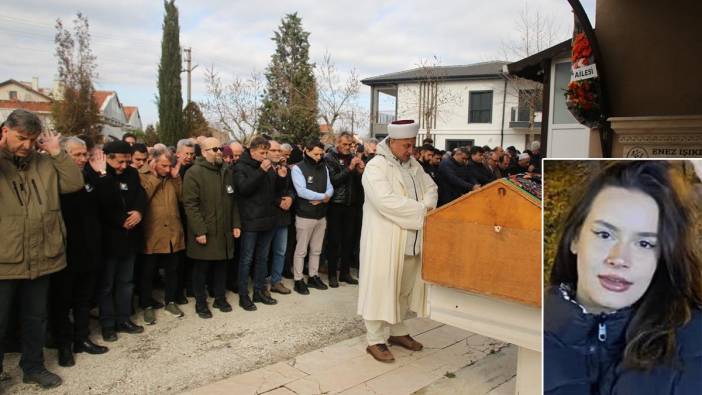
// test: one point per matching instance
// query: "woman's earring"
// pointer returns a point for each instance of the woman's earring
(573, 249)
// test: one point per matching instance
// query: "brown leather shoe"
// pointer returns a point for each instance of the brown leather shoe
(381, 353)
(405, 341)
(280, 288)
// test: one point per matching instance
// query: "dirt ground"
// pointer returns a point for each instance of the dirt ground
(177, 354)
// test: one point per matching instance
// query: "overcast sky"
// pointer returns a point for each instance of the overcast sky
(374, 36)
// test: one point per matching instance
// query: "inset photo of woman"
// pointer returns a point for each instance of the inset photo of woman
(623, 277)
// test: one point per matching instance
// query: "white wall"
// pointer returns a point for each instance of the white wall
(452, 119)
(135, 121)
(114, 111)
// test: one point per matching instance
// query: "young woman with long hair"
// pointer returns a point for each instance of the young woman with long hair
(622, 311)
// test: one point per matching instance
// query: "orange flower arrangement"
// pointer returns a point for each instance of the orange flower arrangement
(582, 96)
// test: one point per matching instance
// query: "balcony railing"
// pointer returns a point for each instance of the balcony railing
(385, 118)
(519, 118)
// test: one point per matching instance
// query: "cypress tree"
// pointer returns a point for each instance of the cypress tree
(289, 106)
(170, 99)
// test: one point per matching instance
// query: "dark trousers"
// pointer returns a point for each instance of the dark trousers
(357, 236)
(219, 277)
(233, 266)
(115, 290)
(33, 297)
(71, 290)
(341, 228)
(290, 248)
(255, 248)
(185, 274)
(149, 264)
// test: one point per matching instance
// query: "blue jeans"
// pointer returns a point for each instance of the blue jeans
(115, 290)
(279, 246)
(258, 245)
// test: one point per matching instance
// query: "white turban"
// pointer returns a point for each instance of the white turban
(403, 129)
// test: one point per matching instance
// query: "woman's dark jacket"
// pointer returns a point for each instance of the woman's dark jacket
(583, 353)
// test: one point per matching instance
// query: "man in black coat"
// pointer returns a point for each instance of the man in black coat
(345, 171)
(122, 205)
(258, 186)
(185, 154)
(279, 243)
(477, 170)
(425, 159)
(453, 177)
(73, 287)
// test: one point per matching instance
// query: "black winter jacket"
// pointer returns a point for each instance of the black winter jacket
(259, 194)
(284, 217)
(583, 352)
(81, 213)
(453, 180)
(347, 184)
(479, 172)
(119, 194)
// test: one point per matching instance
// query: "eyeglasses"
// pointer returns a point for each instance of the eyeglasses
(214, 149)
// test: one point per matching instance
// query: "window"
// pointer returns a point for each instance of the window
(13, 95)
(480, 107)
(529, 98)
(561, 114)
(451, 144)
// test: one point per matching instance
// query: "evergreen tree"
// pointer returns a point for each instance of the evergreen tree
(74, 110)
(195, 123)
(289, 108)
(170, 99)
(151, 136)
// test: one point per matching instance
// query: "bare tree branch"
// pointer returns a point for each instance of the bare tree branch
(335, 98)
(431, 97)
(534, 32)
(234, 107)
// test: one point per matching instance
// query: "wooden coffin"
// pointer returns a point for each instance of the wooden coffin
(487, 242)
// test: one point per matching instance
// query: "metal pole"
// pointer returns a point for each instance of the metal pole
(188, 69)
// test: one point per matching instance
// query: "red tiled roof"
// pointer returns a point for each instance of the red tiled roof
(129, 110)
(325, 128)
(101, 96)
(26, 105)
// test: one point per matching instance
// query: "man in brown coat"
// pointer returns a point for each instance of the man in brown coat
(33, 232)
(163, 230)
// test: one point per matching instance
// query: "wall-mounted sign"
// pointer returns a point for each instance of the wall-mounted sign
(662, 151)
(584, 73)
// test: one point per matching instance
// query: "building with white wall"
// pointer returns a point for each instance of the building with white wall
(472, 105)
(562, 135)
(116, 119)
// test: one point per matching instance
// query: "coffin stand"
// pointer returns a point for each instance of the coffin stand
(482, 259)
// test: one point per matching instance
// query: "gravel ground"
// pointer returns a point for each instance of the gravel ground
(177, 354)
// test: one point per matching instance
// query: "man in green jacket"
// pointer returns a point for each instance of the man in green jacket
(33, 232)
(213, 223)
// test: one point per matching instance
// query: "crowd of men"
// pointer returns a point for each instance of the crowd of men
(89, 226)
(465, 169)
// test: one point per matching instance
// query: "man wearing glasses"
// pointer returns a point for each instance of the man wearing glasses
(213, 223)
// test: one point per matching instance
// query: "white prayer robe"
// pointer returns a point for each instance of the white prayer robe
(390, 213)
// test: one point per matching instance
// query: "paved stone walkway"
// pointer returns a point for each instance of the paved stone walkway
(453, 361)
